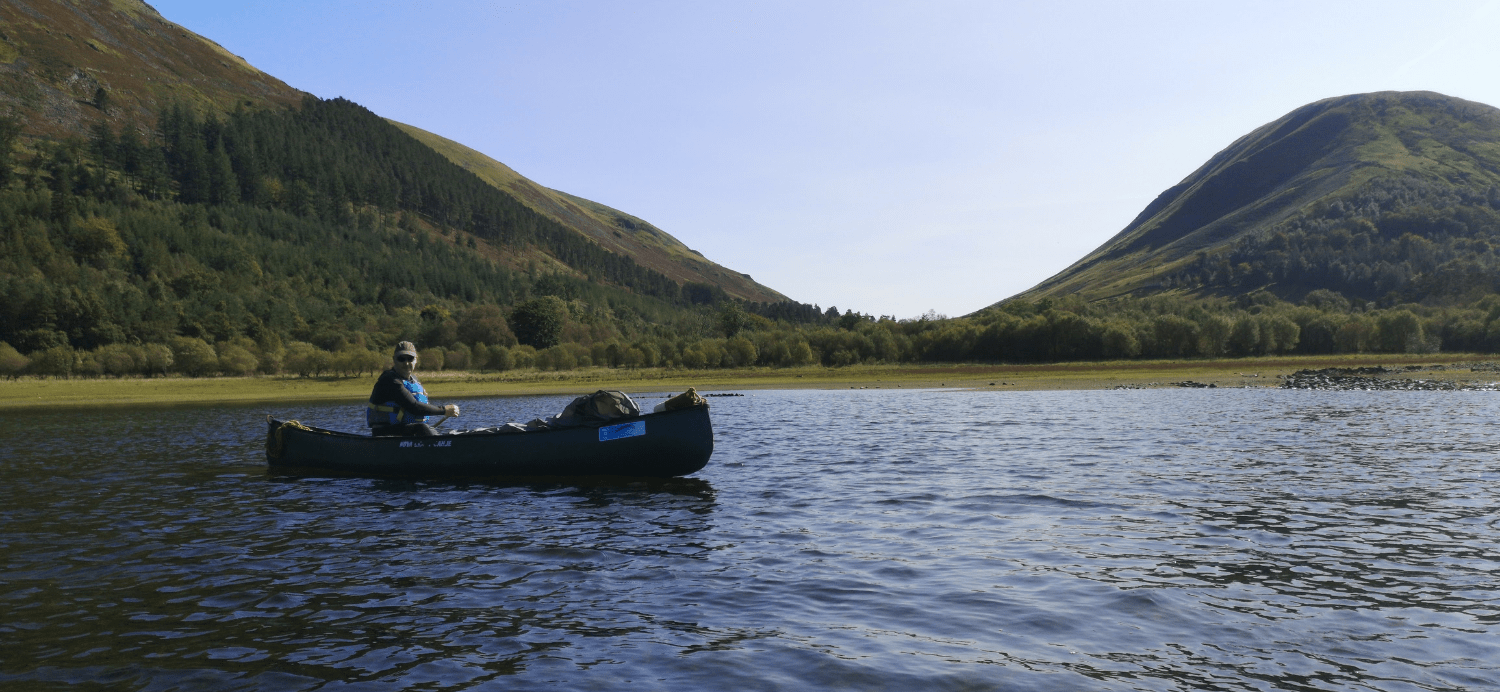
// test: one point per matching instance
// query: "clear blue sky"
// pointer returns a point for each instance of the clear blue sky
(889, 157)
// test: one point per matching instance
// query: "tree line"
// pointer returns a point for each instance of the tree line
(549, 333)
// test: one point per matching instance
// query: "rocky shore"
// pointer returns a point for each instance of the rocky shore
(1384, 379)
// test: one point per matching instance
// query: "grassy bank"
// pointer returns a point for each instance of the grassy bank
(30, 393)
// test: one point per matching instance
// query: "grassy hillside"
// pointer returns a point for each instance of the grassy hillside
(65, 66)
(1366, 195)
(615, 230)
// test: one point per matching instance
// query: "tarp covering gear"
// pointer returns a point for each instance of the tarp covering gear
(600, 407)
(593, 410)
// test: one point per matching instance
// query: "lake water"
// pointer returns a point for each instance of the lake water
(863, 540)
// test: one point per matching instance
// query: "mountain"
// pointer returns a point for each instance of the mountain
(1381, 195)
(66, 67)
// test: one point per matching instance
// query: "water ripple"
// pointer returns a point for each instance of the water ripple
(871, 539)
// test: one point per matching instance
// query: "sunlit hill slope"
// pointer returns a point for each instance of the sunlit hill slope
(616, 230)
(58, 59)
(1389, 194)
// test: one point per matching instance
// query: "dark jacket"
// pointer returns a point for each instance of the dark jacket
(391, 391)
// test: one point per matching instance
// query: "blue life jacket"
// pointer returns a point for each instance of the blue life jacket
(391, 413)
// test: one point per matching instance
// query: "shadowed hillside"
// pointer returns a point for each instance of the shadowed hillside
(1366, 195)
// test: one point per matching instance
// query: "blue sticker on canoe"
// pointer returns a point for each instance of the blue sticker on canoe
(622, 431)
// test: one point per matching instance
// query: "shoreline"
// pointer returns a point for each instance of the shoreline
(1267, 371)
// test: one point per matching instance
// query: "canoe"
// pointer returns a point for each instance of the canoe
(661, 445)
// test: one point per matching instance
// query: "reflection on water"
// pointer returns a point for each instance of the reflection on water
(1230, 540)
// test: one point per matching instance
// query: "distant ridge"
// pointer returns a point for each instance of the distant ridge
(1320, 199)
(619, 232)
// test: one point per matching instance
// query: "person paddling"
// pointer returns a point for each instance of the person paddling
(398, 404)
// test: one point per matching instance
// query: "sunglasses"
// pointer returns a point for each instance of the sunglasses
(406, 359)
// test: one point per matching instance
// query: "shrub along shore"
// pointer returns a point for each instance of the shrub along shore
(28, 393)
